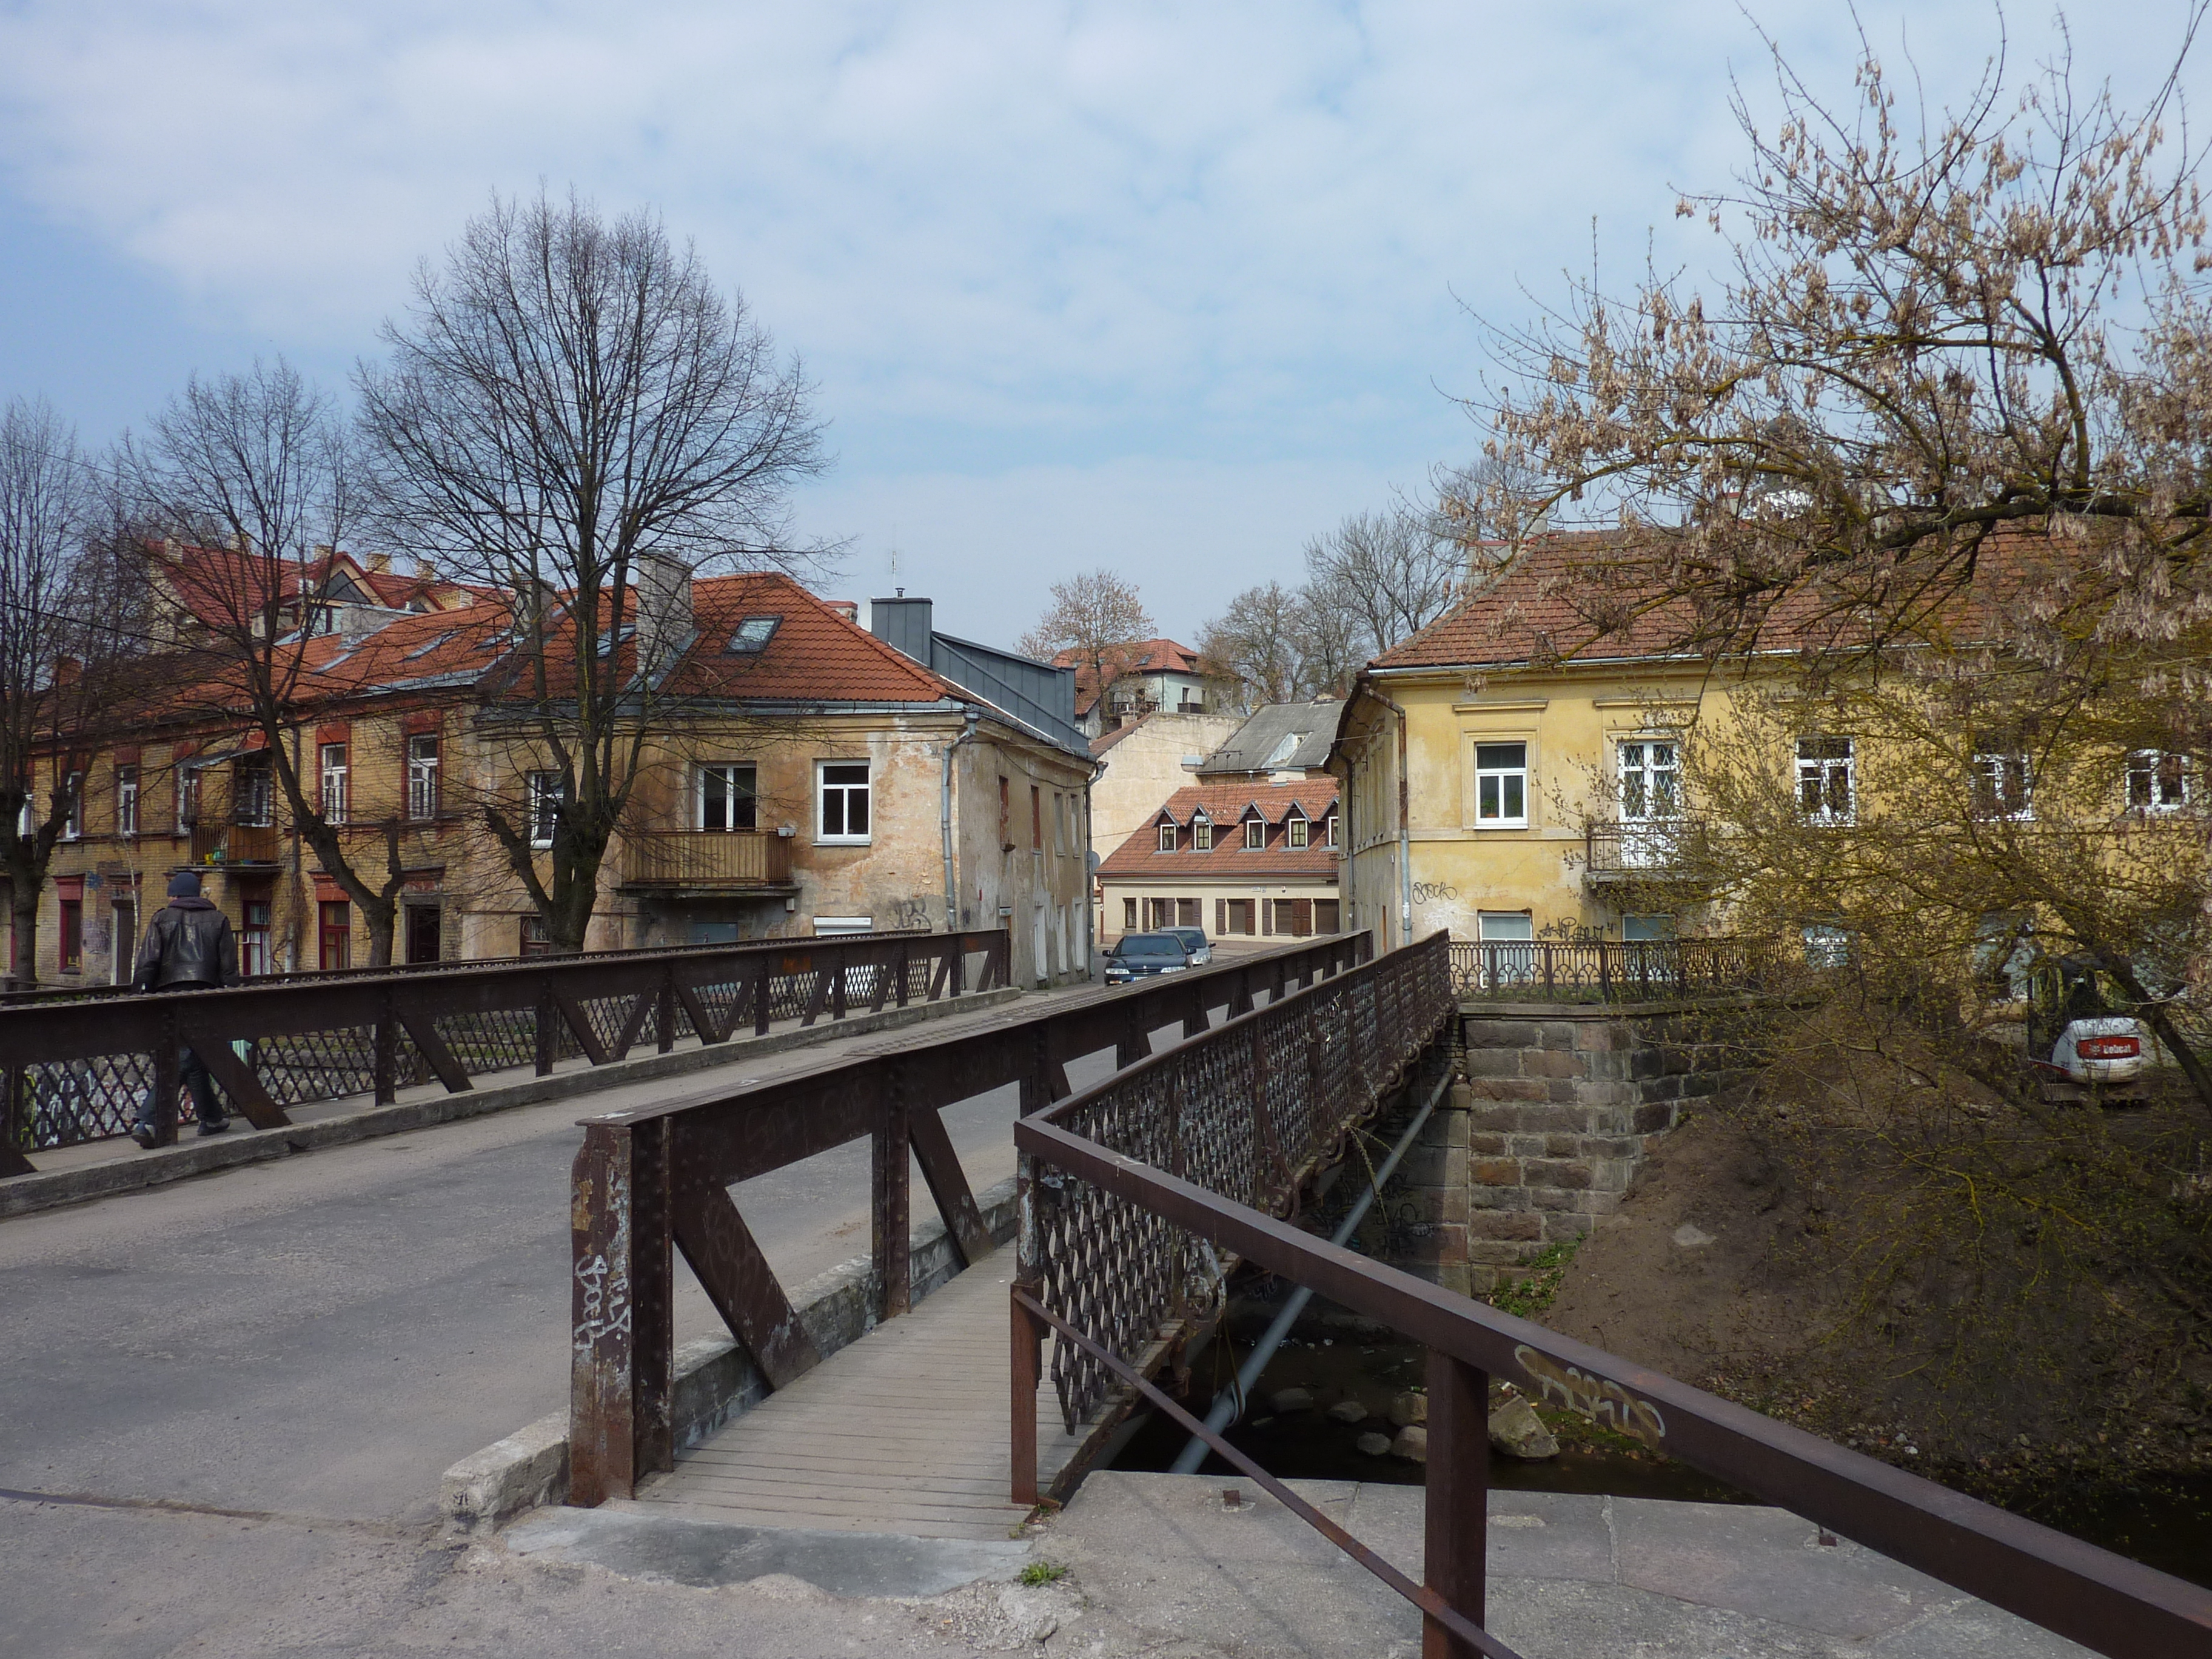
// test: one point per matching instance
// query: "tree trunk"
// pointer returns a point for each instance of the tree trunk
(23, 931)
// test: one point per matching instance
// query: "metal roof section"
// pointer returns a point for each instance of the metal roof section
(1036, 695)
(1281, 737)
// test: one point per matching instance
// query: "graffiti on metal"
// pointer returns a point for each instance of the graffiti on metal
(603, 1298)
(1596, 1397)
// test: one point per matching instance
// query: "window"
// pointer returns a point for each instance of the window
(1188, 913)
(752, 636)
(1256, 835)
(71, 944)
(254, 799)
(1325, 916)
(1501, 786)
(1167, 836)
(831, 926)
(844, 791)
(1202, 833)
(1036, 818)
(1509, 956)
(73, 826)
(2157, 782)
(1650, 779)
(126, 801)
(422, 777)
(254, 938)
(188, 794)
(122, 959)
(1297, 831)
(335, 773)
(1005, 816)
(1239, 917)
(1329, 828)
(1827, 781)
(1647, 927)
(2000, 780)
(545, 794)
(1059, 824)
(1827, 947)
(334, 933)
(1129, 915)
(727, 797)
(534, 941)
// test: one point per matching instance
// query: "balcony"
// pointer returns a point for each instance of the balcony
(708, 860)
(234, 843)
(1656, 850)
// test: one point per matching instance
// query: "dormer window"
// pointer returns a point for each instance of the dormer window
(1296, 831)
(752, 636)
(1167, 836)
(1202, 833)
(1256, 835)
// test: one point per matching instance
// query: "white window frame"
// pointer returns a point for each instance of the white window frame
(1163, 836)
(423, 776)
(1332, 833)
(255, 807)
(1821, 770)
(2151, 765)
(1202, 833)
(73, 825)
(542, 794)
(1651, 783)
(1297, 832)
(1992, 768)
(838, 926)
(126, 801)
(1256, 835)
(846, 791)
(1507, 781)
(337, 775)
(730, 773)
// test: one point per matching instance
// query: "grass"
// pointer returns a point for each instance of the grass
(1532, 1294)
(1042, 1572)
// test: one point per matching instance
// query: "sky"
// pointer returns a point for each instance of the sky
(1166, 289)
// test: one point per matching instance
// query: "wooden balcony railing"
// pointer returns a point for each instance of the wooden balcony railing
(707, 858)
(234, 843)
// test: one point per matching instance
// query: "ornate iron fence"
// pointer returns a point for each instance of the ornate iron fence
(1618, 970)
(78, 1070)
(1248, 1111)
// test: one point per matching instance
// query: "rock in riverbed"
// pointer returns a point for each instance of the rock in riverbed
(1347, 1411)
(1516, 1430)
(1375, 1445)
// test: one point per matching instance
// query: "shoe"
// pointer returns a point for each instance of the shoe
(216, 1128)
(143, 1134)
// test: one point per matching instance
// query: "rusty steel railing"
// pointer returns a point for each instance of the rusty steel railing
(76, 1071)
(1618, 970)
(1117, 1192)
(652, 1181)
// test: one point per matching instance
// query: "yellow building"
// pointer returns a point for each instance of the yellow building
(1512, 773)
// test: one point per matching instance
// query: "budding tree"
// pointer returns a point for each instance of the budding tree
(1095, 622)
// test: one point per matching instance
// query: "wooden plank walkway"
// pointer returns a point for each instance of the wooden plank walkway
(903, 1431)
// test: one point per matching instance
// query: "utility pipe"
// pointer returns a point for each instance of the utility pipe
(1405, 829)
(1228, 1404)
(945, 824)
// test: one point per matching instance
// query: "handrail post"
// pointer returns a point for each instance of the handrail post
(547, 1021)
(1604, 971)
(664, 1015)
(620, 1300)
(385, 1066)
(1457, 1499)
(890, 1159)
(838, 974)
(1028, 1335)
(168, 1079)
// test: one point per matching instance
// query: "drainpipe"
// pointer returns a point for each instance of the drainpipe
(945, 824)
(1229, 1403)
(1405, 828)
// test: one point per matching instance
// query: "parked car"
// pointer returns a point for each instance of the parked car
(1194, 941)
(1140, 955)
(2080, 1038)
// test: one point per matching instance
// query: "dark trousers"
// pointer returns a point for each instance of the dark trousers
(192, 1072)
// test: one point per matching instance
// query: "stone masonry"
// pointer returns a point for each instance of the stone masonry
(1561, 1104)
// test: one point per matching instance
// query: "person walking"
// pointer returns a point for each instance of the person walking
(188, 945)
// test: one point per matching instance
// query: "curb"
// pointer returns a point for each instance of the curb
(714, 1381)
(25, 1194)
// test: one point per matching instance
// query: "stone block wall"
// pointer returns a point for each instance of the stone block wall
(1560, 1105)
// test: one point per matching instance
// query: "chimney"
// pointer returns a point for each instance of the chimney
(381, 563)
(849, 608)
(426, 569)
(662, 587)
(904, 623)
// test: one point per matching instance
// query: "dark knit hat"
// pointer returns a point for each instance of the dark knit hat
(185, 884)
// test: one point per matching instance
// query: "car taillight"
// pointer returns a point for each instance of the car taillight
(2109, 1047)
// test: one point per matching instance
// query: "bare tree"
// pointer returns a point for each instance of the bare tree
(1257, 645)
(1095, 622)
(256, 471)
(66, 623)
(570, 401)
(1398, 570)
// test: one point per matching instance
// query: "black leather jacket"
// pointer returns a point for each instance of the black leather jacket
(189, 942)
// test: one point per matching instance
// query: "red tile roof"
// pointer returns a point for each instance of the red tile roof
(1227, 806)
(1128, 662)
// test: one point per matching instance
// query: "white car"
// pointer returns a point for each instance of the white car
(2102, 1052)
(2078, 1039)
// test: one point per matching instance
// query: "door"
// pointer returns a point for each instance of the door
(126, 938)
(424, 928)
(1650, 802)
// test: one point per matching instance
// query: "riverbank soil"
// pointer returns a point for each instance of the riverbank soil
(1889, 1240)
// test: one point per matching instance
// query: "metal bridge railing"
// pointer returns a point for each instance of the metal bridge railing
(1135, 1208)
(1618, 970)
(649, 1182)
(77, 1070)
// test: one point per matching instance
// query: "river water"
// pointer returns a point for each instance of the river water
(2168, 1527)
